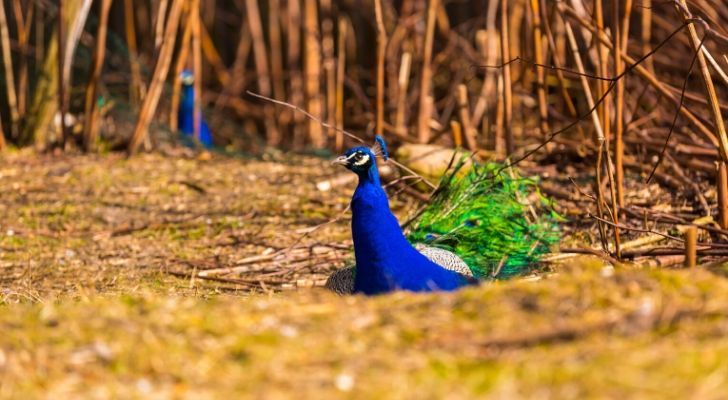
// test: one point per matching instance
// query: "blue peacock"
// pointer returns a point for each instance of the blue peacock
(476, 227)
(186, 112)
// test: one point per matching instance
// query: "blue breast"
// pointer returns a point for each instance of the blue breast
(385, 260)
(185, 117)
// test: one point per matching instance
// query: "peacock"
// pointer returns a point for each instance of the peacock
(476, 227)
(186, 110)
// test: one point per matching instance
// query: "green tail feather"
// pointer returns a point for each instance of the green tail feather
(482, 216)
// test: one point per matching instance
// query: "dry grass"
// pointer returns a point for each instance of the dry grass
(92, 222)
(88, 311)
(581, 335)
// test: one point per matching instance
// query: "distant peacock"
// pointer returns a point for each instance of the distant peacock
(186, 112)
(475, 227)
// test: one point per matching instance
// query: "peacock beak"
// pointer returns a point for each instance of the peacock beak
(341, 161)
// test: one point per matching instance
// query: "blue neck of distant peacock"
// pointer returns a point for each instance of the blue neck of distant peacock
(185, 114)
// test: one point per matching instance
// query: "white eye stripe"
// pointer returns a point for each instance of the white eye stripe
(364, 160)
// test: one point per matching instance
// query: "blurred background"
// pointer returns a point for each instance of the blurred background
(416, 71)
(605, 90)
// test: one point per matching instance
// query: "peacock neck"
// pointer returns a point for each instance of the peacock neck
(185, 114)
(385, 260)
(370, 177)
(188, 97)
(370, 199)
(377, 235)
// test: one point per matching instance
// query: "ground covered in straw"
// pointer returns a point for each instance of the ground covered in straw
(197, 278)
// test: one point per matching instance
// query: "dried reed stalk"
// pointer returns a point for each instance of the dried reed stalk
(144, 24)
(403, 85)
(604, 141)
(398, 42)
(507, 88)
(489, 50)
(23, 24)
(538, 51)
(481, 103)
(9, 75)
(425, 106)
(38, 123)
(76, 22)
(294, 69)
(559, 53)
(617, 32)
(615, 183)
(329, 65)
(213, 56)
(151, 100)
(91, 112)
(722, 184)
(273, 137)
(711, 93)
(209, 13)
(312, 71)
(381, 53)
(39, 36)
(516, 16)
(62, 104)
(179, 66)
(613, 192)
(649, 77)
(3, 144)
(605, 145)
(457, 133)
(136, 90)
(621, 36)
(467, 125)
(595, 120)
(715, 65)
(230, 93)
(195, 21)
(159, 24)
(691, 246)
(340, 75)
(443, 21)
(276, 50)
(646, 33)
(602, 87)
(499, 145)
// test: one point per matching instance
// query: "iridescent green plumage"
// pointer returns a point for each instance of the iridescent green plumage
(484, 216)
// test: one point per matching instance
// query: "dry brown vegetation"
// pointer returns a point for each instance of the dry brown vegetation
(92, 223)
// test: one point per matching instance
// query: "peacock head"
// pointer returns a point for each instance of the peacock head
(361, 159)
(187, 78)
